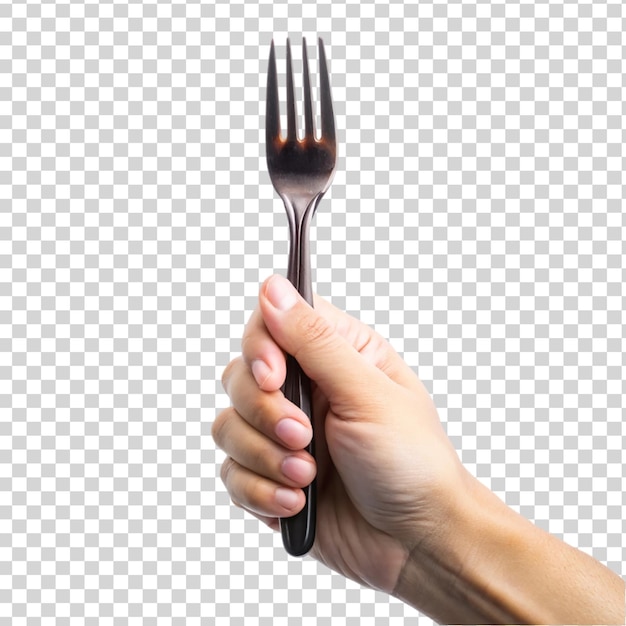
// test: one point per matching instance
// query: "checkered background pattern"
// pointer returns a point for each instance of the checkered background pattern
(476, 220)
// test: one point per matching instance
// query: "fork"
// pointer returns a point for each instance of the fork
(301, 171)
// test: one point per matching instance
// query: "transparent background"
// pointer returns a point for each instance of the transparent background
(476, 220)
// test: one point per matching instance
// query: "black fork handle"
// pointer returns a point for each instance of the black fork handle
(298, 532)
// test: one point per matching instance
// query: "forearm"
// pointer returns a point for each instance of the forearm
(496, 567)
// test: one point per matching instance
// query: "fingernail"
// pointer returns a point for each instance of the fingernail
(298, 469)
(287, 498)
(260, 371)
(293, 433)
(281, 293)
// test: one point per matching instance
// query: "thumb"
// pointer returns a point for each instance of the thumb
(336, 366)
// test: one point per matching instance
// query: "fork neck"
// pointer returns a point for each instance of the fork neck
(299, 267)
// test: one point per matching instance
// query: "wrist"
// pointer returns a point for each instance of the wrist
(448, 575)
(489, 565)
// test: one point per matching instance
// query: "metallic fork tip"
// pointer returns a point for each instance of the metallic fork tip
(292, 133)
(272, 111)
(326, 101)
(320, 45)
(272, 54)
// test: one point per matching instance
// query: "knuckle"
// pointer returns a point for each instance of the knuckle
(245, 489)
(258, 457)
(251, 331)
(226, 470)
(314, 329)
(259, 408)
(227, 374)
(245, 342)
(255, 494)
(220, 425)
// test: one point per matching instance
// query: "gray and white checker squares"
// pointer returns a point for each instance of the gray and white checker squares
(476, 220)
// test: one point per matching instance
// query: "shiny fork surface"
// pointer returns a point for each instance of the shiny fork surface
(301, 171)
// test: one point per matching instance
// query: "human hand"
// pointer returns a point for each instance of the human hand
(388, 477)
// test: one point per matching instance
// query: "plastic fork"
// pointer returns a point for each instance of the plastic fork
(301, 170)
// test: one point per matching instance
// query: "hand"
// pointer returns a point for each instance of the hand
(388, 477)
(396, 509)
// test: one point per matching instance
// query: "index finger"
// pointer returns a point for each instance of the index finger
(267, 360)
(262, 354)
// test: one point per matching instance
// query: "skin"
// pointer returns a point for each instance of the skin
(397, 511)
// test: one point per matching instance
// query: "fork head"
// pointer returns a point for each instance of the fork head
(301, 169)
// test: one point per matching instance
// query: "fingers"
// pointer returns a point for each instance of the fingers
(263, 435)
(261, 353)
(251, 449)
(270, 413)
(259, 495)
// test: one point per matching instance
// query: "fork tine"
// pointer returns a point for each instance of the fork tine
(309, 128)
(326, 101)
(272, 110)
(291, 100)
